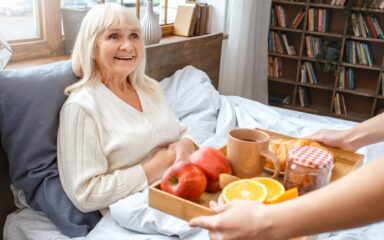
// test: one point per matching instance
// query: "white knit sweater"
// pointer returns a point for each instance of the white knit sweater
(102, 142)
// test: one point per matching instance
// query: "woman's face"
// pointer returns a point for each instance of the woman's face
(118, 51)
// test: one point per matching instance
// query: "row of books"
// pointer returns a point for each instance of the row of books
(191, 19)
(366, 26)
(279, 19)
(346, 78)
(318, 19)
(339, 104)
(367, 3)
(308, 74)
(359, 53)
(313, 46)
(275, 67)
(304, 98)
(280, 43)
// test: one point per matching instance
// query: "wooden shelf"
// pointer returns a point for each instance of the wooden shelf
(361, 103)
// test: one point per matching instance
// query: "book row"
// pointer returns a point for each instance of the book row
(346, 78)
(280, 43)
(308, 74)
(279, 19)
(339, 104)
(359, 53)
(191, 19)
(275, 67)
(366, 26)
(378, 4)
(318, 19)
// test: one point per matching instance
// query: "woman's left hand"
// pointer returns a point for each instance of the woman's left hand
(183, 148)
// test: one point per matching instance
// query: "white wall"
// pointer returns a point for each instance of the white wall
(217, 23)
(217, 15)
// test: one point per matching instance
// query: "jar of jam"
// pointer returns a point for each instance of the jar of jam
(308, 168)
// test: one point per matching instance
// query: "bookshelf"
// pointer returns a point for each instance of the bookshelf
(334, 69)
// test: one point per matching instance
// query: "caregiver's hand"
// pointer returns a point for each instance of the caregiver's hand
(333, 138)
(234, 220)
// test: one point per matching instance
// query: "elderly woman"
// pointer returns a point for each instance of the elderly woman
(117, 135)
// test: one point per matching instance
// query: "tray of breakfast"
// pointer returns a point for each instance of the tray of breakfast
(164, 197)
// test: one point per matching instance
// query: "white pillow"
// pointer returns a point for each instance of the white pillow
(194, 100)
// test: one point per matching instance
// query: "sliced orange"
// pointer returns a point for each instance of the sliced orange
(274, 187)
(289, 194)
(245, 189)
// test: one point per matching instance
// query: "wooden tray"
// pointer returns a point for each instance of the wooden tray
(345, 162)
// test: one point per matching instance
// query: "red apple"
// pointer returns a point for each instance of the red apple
(185, 180)
(213, 163)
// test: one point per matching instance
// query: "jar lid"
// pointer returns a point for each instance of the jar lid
(310, 157)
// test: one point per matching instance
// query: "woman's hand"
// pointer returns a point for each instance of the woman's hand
(161, 161)
(183, 148)
(238, 219)
(333, 138)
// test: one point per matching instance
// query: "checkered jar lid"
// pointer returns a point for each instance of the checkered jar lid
(310, 157)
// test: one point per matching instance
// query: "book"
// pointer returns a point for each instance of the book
(198, 10)
(382, 84)
(298, 19)
(336, 104)
(304, 99)
(185, 20)
(288, 44)
(202, 11)
(341, 83)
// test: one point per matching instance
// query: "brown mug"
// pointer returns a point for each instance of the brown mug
(247, 151)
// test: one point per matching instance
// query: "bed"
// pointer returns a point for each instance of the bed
(189, 71)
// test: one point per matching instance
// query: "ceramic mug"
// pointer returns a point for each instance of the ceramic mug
(247, 151)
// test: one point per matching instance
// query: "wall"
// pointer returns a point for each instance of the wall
(217, 23)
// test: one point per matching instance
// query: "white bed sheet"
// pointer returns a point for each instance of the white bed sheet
(210, 116)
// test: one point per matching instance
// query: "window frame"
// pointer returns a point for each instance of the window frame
(49, 42)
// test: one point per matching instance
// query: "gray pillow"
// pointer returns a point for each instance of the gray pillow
(30, 102)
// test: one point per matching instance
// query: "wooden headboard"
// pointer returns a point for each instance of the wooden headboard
(163, 60)
(203, 52)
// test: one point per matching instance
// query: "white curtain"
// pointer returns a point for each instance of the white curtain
(244, 66)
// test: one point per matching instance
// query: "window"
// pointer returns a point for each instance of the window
(32, 27)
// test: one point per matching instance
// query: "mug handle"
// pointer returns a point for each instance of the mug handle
(268, 154)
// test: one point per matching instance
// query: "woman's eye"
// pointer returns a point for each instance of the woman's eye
(134, 35)
(113, 36)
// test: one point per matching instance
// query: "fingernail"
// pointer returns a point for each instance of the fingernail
(212, 203)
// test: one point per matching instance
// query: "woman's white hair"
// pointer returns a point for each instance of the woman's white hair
(97, 20)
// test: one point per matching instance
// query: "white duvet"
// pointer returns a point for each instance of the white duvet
(210, 116)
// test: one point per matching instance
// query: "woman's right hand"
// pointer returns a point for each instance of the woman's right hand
(161, 161)
(333, 138)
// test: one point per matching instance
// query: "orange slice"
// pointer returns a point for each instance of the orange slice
(289, 194)
(245, 189)
(274, 187)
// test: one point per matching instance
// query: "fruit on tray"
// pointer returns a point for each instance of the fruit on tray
(287, 195)
(274, 187)
(185, 180)
(213, 163)
(245, 189)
